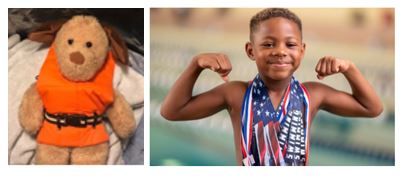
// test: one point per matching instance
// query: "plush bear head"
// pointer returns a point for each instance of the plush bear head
(81, 45)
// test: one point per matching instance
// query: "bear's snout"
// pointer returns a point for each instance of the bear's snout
(77, 58)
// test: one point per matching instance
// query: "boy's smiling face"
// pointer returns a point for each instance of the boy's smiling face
(277, 48)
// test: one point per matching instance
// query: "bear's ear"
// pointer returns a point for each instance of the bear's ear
(119, 48)
(47, 32)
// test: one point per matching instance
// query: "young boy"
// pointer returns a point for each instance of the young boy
(272, 114)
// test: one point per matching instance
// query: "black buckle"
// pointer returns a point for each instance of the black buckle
(75, 120)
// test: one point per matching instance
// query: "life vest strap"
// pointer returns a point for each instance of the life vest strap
(75, 120)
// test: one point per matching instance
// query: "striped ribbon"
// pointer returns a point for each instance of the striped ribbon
(275, 137)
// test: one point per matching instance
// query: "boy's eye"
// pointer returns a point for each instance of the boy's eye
(291, 44)
(269, 45)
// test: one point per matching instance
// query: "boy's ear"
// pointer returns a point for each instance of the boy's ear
(303, 49)
(118, 46)
(47, 32)
(249, 50)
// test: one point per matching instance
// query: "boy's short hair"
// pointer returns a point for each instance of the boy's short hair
(269, 13)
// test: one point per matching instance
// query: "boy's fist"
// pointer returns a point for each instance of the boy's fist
(217, 62)
(329, 65)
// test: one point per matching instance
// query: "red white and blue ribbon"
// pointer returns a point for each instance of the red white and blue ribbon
(247, 121)
(275, 137)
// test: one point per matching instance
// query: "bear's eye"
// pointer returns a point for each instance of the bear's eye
(89, 44)
(70, 41)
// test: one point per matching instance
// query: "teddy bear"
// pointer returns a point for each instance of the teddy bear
(66, 108)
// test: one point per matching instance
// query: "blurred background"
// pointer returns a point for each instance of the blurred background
(365, 36)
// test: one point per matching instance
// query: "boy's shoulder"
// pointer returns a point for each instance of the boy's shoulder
(316, 87)
(233, 87)
(318, 92)
(234, 90)
(237, 85)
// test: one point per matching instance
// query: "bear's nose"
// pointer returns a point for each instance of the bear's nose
(77, 58)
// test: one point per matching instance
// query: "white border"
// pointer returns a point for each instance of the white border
(177, 171)
(147, 96)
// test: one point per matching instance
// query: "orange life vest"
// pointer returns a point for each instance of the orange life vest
(60, 95)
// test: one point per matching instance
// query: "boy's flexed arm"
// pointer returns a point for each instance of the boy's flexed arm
(179, 104)
(362, 102)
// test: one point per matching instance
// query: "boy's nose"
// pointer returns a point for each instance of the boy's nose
(279, 52)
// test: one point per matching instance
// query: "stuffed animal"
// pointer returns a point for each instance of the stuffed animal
(65, 108)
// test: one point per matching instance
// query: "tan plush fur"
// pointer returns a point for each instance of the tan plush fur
(77, 61)
(122, 126)
(49, 154)
(81, 30)
(30, 114)
(96, 154)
